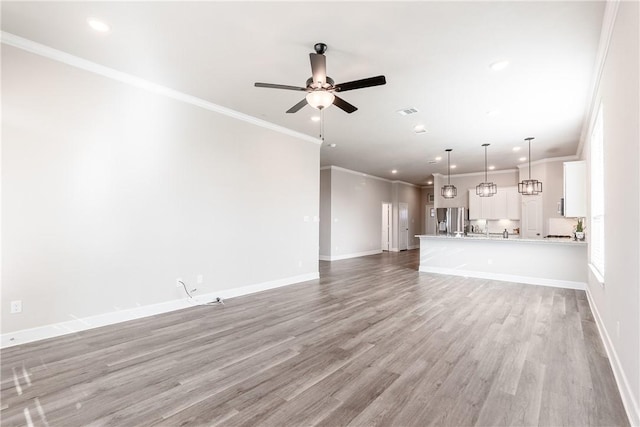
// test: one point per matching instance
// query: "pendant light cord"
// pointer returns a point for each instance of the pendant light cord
(448, 167)
(529, 160)
(485, 165)
(322, 124)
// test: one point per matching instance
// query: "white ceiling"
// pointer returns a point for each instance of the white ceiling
(435, 56)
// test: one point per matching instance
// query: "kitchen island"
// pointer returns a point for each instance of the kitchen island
(548, 262)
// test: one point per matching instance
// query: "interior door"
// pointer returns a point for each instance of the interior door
(403, 226)
(386, 227)
(532, 217)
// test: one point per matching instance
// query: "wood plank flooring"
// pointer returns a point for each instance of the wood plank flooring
(371, 343)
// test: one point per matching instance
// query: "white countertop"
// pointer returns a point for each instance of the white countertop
(499, 238)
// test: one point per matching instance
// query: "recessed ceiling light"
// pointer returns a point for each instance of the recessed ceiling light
(438, 158)
(429, 182)
(394, 171)
(453, 166)
(516, 148)
(333, 145)
(499, 65)
(315, 118)
(98, 25)
(522, 159)
(419, 129)
(491, 167)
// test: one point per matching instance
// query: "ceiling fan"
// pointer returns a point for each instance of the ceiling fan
(321, 88)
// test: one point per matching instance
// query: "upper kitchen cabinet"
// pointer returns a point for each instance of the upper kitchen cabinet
(575, 189)
(503, 205)
(513, 203)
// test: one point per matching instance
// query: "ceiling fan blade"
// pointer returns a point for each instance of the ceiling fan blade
(344, 105)
(359, 84)
(318, 68)
(298, 106)
(274, 86)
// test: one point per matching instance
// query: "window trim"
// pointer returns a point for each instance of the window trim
(597, 214)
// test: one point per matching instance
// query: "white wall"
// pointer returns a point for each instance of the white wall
(110, 192)
(617, 302)
(406, 193)
(356, 214)
(325, 212)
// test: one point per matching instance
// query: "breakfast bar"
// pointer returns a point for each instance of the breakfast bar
(548, 262)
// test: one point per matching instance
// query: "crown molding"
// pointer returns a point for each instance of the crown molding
(608, 24)
(83, 64)
(477, 173)
(550, 160)
(405, 183)
(366, 175)
(362, 174)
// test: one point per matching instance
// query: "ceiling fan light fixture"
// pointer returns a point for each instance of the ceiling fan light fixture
(320, 99)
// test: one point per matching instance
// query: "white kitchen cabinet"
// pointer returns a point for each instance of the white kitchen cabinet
(575, 189)
(513, 203)
(475, 206)
(498, 205)
(503, 205)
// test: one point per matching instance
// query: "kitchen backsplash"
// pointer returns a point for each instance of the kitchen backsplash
(495, 226)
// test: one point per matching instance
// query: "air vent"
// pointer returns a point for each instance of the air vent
(407, 111)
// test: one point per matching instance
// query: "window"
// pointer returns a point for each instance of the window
(597, 196)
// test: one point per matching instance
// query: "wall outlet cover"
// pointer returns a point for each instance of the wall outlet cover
(16, 306)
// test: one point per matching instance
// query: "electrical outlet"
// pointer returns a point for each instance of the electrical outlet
(200, 279)
(16, 306)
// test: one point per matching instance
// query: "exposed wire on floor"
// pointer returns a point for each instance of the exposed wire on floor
(192, 300)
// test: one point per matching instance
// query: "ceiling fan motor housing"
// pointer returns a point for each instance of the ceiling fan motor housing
(327, 85)
(320, 48)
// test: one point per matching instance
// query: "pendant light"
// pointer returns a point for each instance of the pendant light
(529, 187)
(449, 191)
(486, 189)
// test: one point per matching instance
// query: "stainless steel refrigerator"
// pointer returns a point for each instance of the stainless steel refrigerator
(451, 221)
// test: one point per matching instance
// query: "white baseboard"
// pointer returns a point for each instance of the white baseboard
(347, 256)
(626, 392)
(567, 284)
(63, 328)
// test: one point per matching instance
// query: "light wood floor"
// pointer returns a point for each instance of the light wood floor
(373, 342)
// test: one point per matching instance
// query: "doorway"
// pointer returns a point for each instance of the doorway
(386, 226)
(403, 226)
